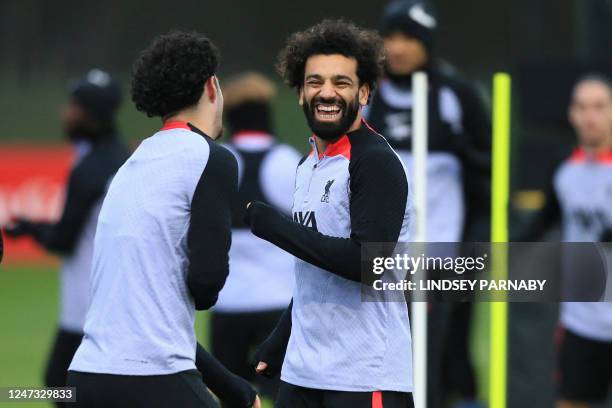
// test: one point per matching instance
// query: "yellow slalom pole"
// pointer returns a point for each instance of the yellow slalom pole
(500, 185)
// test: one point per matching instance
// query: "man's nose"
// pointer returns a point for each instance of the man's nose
(327, 91)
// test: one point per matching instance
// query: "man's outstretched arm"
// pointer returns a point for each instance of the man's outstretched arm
(379, 191)
(82, 194)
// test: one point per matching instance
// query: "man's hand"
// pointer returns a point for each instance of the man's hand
(257, 403)
(263, 355)
(261, 367)
(269, 356)
(260, 217)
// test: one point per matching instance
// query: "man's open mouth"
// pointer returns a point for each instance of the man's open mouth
(328, 112)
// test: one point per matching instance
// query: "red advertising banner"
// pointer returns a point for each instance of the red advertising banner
(32, 185)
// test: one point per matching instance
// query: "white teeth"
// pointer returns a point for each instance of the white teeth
(326, 108)
(329, 112)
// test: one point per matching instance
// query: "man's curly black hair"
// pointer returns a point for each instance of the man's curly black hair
(332, 37)
(170, 74)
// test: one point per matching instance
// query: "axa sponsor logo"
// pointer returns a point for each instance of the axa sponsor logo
(590, 219)
(306, 218)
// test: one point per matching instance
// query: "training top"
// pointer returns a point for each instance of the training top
(583, 187)
(73, 235)
(261, 274)
(458, 160)
(160, 253)
(353, 193)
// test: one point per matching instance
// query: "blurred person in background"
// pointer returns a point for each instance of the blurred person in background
(89, 123)
(580, 198)
(260, 284)
(458, 168)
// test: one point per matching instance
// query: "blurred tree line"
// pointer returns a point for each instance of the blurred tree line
(44, 43)
(51, 38)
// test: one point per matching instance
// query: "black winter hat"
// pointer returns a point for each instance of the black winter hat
(97, 93)
(415, 18)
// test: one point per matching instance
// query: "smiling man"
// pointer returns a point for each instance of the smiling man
(337, 350)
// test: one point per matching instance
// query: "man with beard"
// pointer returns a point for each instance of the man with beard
(458, 168)
(336, 350)
(89, 123)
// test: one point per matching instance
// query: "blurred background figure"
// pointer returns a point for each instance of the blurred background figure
(458, 171)
(580, 198)
(583, 187)
(260, 283)
(88, 119)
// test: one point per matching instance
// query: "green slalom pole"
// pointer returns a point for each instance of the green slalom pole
(500, 186)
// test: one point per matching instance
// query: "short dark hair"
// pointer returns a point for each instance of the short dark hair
(332, 37)
(170, 74)
(595, 77)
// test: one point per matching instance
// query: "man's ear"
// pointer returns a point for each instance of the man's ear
(301, 97)
(211, 88)
(364, 94)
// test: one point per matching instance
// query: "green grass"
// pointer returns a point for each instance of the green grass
(28, 315)
(480, 348)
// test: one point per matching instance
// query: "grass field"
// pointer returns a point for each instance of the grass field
(28, 304)
(28, 317)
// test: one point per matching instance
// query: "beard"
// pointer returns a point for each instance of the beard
(331, 130)
(83, 130)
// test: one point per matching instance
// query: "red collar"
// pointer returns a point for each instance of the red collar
(175, 124)
(580, 155)
(341, 147)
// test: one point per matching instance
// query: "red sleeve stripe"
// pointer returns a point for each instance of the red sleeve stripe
(377, 401)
